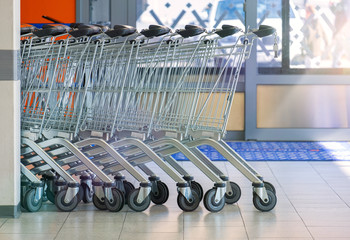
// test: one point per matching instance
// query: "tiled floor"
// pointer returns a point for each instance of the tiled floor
(313, 203)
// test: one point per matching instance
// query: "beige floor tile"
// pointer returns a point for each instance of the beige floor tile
(30, 227)
(150, 236)
(95, 216)
(160, 216)
(80, 234)
(159, 227)
(47, 217)
(277, 230)
(330, 232)
(91, 227)
(213, 233)
(274, 216)
(27, 236)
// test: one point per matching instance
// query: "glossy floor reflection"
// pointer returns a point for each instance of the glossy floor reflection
(313, 203)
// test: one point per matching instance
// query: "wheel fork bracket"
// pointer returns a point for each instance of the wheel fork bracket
(143, 193)
(229, 190)
(70, 194)
(38, 194)
(261, 192)
(219, 194)
(186, 192)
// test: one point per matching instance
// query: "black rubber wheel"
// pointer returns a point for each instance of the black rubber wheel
(270, 187)
(188, 206)
(87, 196)
(98, 203)
(50, 196)
(29, 202)
(128, 187)
(195, 186)
(134, 205)
(209, 201)
(163, 194)
(118, 201)
(23, 193)
(262, 206)
(65, 207)
(235, 195)
(80, 194)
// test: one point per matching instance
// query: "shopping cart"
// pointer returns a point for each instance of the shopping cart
(204, 74)
(46, 64)
(141, 88)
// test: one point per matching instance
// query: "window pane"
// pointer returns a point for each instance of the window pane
(320, 34)
(100, 12)
(269, 13)
(177, 13)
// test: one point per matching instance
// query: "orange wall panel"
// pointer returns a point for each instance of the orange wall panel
(61, 10)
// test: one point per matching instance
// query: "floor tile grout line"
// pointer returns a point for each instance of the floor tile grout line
(4, 222)
(245, 227)
(62, 225)
(328, 184)
(121, 230)
(289, 199)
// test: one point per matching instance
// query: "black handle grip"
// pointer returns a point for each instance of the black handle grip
(121, 31)
(76, 25)
(51, 19)
(264, 31)
(227, 30)
(25, 29)
(190, 31)
(85, 30)
(52, 30)
(155, 31)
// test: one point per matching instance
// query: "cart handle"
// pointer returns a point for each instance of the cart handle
(85, 30)
(26, 28)
(121, 31)
(227, 30)
(51, 30)
(264, 31)
(155, 31)
(190, 31)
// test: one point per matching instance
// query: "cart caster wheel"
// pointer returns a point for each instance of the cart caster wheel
(50, 196)
(99, 204)
(162, 195)
(63, 206)
(80, 194)
(235, 195)
(87, 195)
(209, 201)
(134, 205)
(262, 206)
(195, 186)
(29, 202)
(118, 201)
(45, 199)
(188, 206)
(128, 186)
(270, 187)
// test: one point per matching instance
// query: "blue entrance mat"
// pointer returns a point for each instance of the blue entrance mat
(281, 151)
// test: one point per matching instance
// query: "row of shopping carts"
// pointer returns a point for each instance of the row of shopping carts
(98, 101)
